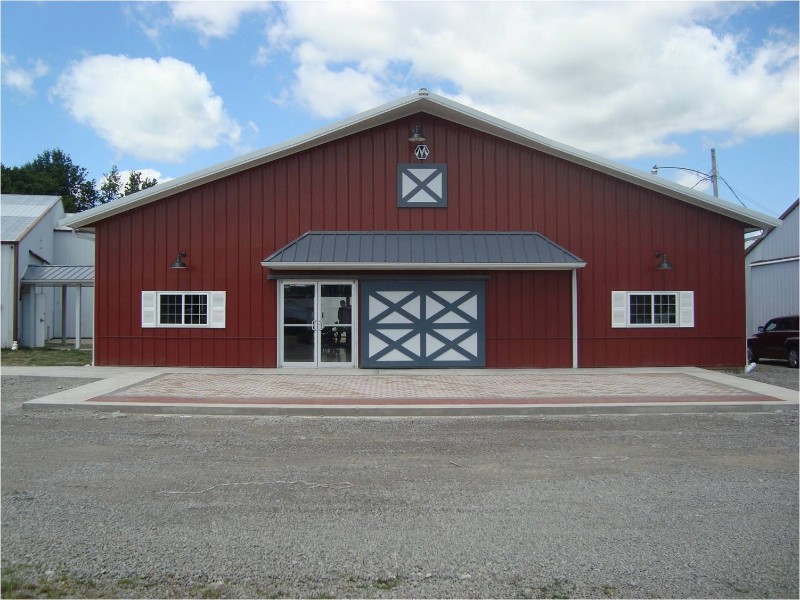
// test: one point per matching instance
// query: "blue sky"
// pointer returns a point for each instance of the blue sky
(171, 88)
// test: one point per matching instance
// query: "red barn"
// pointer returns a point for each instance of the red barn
(420, 234)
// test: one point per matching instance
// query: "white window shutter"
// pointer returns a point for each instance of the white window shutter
(217, 309)
(618, 309)
(686, 300)
(149, 316)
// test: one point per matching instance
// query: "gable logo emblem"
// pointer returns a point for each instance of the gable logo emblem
(422, 152)
(422, 185)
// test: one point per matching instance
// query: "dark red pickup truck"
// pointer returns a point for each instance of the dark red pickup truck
(777, 340)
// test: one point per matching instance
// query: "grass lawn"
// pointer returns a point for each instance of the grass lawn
(45, 357)
(25, 581)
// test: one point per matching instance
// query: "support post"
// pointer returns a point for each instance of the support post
(574, 318)
(34, 317)
(78, 319)
(63, 315)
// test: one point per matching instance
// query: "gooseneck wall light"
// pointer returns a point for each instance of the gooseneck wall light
(416, 137)
(179, 264)
(664, 264)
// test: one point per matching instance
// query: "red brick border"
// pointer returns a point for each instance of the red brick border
(432, 401)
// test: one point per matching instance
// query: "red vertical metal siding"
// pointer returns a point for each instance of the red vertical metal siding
(228, 226)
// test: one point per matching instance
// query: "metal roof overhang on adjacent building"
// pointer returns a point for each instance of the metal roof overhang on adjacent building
(58, 276)
(429, 250)
(21, 212)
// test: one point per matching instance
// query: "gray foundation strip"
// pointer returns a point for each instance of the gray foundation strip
(422, 411)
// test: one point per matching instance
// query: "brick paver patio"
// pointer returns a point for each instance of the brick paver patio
(457, 388)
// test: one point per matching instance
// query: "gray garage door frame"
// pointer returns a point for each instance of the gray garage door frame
(423, 324)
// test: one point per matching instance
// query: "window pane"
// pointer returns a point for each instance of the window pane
(298, 304)
(195, 308)
(640, 312)
(171, 310)
(336, 303)
(298, 344)
(664, 311)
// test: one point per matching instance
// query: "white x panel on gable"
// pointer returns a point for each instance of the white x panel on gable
(422, 185)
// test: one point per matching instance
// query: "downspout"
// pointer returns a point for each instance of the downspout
(574, 318)
(94, 300)
(94, 317)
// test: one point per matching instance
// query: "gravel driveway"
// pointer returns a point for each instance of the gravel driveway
(104, 505)
(773, 372)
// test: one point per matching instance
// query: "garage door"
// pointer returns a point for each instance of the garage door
(413, 324)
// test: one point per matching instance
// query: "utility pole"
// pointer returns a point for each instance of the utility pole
(713, 176)
(714, 172)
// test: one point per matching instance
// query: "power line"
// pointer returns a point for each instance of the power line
(750, 199)
(714, 175)
(731, 189)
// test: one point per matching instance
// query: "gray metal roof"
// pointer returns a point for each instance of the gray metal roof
(422, 101)
(790, 235)
(472, 250)
(20, 212)
(58, 275)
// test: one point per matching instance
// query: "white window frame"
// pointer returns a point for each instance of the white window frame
(151, 309)
(621, 302)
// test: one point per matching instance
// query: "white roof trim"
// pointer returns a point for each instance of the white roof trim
(422, 101)
(774, 261)
(392, 266)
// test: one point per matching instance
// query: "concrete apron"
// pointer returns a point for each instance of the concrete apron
(450, 392)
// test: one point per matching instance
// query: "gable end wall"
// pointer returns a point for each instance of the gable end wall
(228, 226)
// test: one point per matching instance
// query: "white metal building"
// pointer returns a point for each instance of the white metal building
(772, 266)
(41, 304)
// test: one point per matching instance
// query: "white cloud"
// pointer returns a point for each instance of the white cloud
(157, 110)
(262, 57)
(331, 93)
(19, 78)
(694, 181)
(620, 79)
(214, 19)
(146, 173)
(150, 17)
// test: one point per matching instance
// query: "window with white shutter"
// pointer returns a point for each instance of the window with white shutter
(183, 309)
(652, 309)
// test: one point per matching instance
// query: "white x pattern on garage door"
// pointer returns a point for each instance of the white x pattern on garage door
(420, 324)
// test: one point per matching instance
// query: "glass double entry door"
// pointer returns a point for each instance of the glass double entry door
(316, 324)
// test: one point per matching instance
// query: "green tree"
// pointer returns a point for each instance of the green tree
(138, 182)
(112, 183)
(52, 173)
(112, 187)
